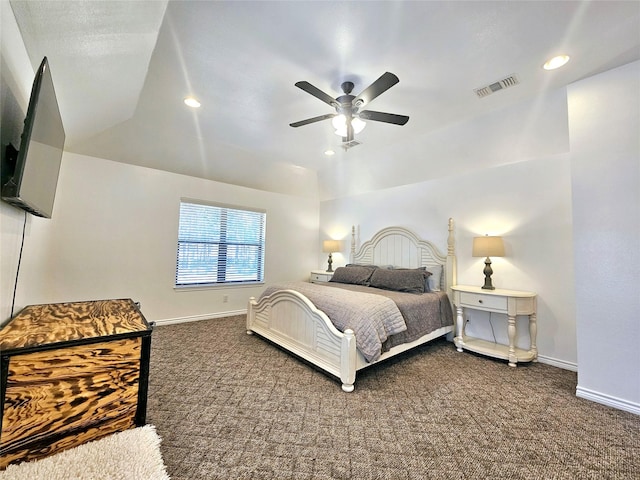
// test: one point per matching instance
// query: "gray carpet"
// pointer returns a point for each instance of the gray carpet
(232, 406)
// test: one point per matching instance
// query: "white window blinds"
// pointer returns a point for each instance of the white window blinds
(219, 245)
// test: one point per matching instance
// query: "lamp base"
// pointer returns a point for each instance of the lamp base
(488, 271)
(330, 262)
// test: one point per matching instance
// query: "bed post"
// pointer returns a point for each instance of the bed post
(250, 314)
(348, 360)
(451, 259)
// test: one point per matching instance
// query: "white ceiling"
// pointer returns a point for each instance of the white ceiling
(122, 69)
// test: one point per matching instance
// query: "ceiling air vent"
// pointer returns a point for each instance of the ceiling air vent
(506, 82)
(350, 144)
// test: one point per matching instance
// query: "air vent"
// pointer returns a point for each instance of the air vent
(507, 82)
(350, 144)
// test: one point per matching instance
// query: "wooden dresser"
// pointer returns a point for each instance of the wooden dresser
(71, 373)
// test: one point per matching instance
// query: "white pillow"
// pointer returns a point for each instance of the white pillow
(433, 280)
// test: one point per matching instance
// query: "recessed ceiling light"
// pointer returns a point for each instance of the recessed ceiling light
(192, 102)
(556, 62)
(328, 153)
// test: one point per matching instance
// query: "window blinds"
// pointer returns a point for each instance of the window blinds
(219, 245)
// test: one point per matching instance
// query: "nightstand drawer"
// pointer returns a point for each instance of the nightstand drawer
(319, 277)
(478, 300)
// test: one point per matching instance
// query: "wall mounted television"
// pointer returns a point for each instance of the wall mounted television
(30, 174)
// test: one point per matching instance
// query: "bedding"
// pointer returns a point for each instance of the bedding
(379, 318)
(422, 313)
(373, 318)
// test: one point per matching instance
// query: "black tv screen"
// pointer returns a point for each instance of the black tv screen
(30, 178)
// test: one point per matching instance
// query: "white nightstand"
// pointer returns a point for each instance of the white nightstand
(509, 302)
(320, 276)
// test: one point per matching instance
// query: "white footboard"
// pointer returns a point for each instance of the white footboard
(290, 320)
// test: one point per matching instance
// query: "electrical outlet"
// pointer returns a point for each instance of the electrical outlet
(225, 298)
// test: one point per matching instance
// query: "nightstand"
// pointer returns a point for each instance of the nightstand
(320, 276)
(509, 302)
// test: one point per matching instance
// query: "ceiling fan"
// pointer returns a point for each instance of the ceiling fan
(348, 119)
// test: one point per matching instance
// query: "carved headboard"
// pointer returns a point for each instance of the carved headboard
(401, 247)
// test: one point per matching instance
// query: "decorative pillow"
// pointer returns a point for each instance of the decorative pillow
(409, 280)
(354, 275)
(433, 280)
(386, 267)
(423, 270)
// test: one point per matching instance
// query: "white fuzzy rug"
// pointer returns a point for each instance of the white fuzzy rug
(130, 455)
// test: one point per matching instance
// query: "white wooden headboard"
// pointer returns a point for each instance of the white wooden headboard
(399, 246)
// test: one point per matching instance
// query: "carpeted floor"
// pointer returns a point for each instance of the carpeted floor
(232, 406)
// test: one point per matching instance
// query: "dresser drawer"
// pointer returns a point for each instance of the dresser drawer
(478, 300)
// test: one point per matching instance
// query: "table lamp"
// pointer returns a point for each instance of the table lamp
(488, 247)
(330, 246)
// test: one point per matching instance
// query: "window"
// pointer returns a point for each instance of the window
(219, 244)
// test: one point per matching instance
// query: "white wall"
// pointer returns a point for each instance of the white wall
(577, 206)
(114, 228)
(507, 173)
(528, 203)
(113, 234)
(604, 121)
(512, 178)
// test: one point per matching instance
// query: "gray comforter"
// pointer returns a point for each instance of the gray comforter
(379, 318)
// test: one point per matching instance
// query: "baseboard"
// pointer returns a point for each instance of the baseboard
(558, 363)
(608, 400)
(195, 318)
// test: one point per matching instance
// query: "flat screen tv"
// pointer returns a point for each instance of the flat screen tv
(30, 175)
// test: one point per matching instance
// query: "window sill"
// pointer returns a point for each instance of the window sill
(191, 288)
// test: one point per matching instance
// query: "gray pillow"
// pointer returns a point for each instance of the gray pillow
(354, 275)
(368, 265)
(427, 276)
(409, 280)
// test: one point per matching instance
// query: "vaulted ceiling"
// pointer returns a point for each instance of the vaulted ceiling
(122, 70)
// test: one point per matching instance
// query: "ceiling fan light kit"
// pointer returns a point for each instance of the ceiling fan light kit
(348, 119)
(339, 122)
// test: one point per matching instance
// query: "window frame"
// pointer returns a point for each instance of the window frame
(221, 267)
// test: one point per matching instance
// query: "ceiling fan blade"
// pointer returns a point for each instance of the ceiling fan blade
(316, 92)
(381, 85)
(383, 117)
(313, 120)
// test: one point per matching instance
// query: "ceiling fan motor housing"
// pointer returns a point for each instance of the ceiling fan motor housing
(346, 106)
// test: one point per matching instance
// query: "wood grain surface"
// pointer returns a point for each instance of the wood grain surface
(41, 449)
(52, 396)
(37, 325)
(71, 373)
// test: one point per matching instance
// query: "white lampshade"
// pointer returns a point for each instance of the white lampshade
(488, 247)
(331, 246)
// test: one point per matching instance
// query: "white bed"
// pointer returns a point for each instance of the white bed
(292, 321)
